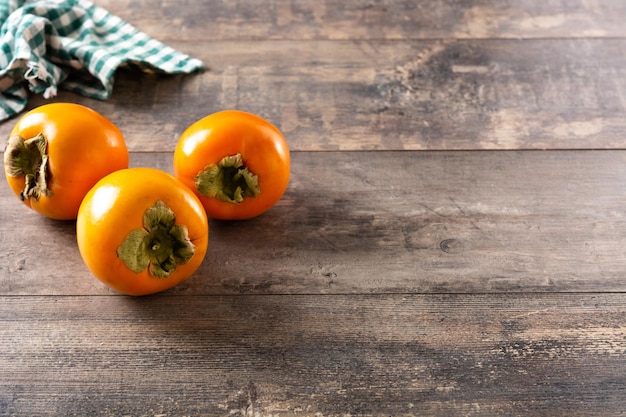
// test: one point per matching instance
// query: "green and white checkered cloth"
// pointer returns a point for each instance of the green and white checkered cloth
(74, 45)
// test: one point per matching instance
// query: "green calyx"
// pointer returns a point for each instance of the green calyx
(28, 158)
(161, 245)
(229, 180)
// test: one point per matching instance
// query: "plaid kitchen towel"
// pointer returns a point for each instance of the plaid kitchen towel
(74, 45)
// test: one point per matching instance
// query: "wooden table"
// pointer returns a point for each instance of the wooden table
(451, 242)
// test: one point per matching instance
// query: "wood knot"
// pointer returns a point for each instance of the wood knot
(451, 246)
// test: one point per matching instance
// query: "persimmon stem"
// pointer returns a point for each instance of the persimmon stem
(28, 158)
(229, 180)
(159, 246)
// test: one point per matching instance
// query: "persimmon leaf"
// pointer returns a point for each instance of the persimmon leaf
(132, 251)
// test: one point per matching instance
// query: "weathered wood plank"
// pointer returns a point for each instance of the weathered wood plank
(375, 222)
(505, 94)
(384, 283)
(439, 355)
(365, 19)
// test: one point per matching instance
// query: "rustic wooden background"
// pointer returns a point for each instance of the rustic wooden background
(451, 242)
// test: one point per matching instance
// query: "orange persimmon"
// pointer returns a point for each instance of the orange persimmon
(57, 152)
(236, 162)
(141, 231)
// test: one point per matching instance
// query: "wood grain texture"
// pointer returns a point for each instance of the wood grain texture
(384, 222)
(366, 19)
(439, 355)
(430, 95)
(427, 259)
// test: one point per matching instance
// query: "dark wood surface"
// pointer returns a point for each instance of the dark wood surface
(451, 242)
